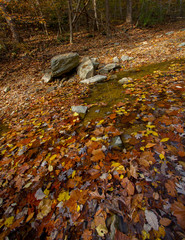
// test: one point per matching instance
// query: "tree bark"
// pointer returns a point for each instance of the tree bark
(70, 21)
(129, 12)
(10, 23)
(107, 17)
(95, 14)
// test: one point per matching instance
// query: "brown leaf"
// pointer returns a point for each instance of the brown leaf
(87, 234)
(97, 155)
(178, 210)
(120, 236)
(165, 221)
(170, 187)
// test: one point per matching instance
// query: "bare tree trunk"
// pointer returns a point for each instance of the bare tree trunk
(42, 16)
(107, 17)
(181, 8)
(70, 21)
(10, 23)
(120, 9)
(129, 12)
(95, 14)
(58, 18)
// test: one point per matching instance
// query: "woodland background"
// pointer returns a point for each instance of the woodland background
(24, 19)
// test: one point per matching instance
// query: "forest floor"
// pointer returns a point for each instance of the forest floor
(61, 179)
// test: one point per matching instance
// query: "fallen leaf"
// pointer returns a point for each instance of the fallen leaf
(152, 219)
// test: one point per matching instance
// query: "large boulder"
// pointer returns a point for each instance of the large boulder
(86, 69)
(64, 63)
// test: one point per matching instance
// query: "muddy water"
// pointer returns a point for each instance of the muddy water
(105, 95)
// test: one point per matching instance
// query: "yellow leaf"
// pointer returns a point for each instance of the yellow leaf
(164, 139)
(142, 148)
(46, 192)
(145, 235)
(100, 122)
(27, 185)
(9, 221)
(63, 196)
(53, 157)
(101, 230)
(161, 156)
(50, 168)
(78, 208)
(75, 114)
(3, 152)
(96, 139)
(73, 174)
(150, 126)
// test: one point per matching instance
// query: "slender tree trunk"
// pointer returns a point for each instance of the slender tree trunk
(107, 17)
(42, 16)
(10, 23)
(70, 21)
(58, 18)
(95, 14)
(120, 9)
(129, 12)
(181, 8)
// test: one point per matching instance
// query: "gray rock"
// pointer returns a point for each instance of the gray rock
(95, 62)
(124, 80)
(86, 69)
(169, 33)
(108, 68)
(117, 142)
(7, 89)
(79, 109)
(97, 78)
(126, 58)
(116, 44)
(116, 60)
(47, 76)
(182, 44)
(64, 63)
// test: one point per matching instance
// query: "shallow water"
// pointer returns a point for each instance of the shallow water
(106, 94)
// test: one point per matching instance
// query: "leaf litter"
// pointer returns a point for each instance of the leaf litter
(63, 180)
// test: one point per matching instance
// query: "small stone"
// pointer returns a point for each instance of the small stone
(7, 89)
(116, 44)
(116, 142)
(126, 58)
(182, 44)
(169, 33)
(97, 78)
(47, 76)
(79, 109)
(116, 60)
(124, 80)
(109, 67)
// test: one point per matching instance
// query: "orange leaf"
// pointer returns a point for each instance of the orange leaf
(149, 145)
(97, 155)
